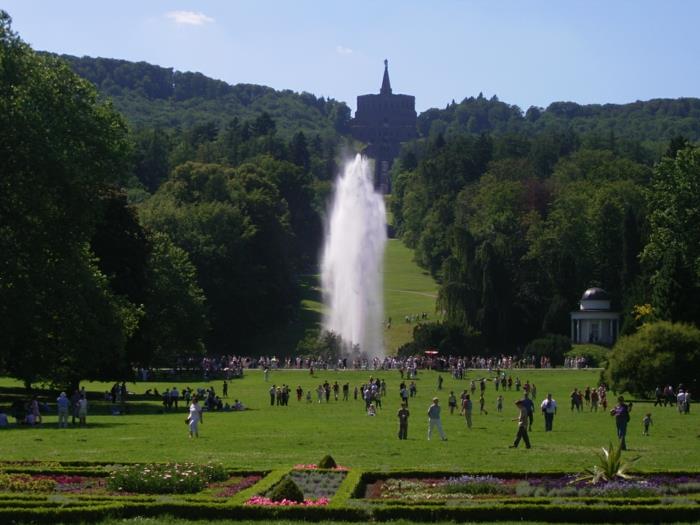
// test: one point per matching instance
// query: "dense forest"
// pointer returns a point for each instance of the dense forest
(149, 216)
(153, 96)
(516, 227)
(127, 245)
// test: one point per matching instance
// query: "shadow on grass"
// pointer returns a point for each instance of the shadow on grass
(52, 425)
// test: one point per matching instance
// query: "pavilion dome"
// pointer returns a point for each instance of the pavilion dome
(595, 294)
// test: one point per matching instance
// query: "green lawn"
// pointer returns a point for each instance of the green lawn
(267, 437)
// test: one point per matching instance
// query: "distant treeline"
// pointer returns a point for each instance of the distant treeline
(649, 122)
(154, 96)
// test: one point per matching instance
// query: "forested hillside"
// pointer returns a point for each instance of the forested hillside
(154, 96)
(649, 122)
(145, 245)
(517, 227)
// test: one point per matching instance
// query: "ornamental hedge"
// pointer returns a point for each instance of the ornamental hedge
(348, 504)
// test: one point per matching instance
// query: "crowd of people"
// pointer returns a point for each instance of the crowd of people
(233, 366)
(576, 362)
(667, 397)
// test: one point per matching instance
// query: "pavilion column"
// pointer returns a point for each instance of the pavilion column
(573, 329)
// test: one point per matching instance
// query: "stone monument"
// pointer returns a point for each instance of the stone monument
(383, 122)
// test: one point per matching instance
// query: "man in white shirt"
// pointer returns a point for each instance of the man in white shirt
(549, 408)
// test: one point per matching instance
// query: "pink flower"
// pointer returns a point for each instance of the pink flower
(261, 500)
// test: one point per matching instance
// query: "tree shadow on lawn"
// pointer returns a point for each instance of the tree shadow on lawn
(14, 427)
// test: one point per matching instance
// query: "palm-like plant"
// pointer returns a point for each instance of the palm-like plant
(610, 466)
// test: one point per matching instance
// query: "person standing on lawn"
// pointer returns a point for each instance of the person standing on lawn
(82, 410)
(434, 420)
(621, 412)
(403, 414)
(467, 407)
(63, 403)
(549, 408)
(522, 420)
(195, 417)
(452, 402)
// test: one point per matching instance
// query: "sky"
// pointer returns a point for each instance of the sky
(527, 52)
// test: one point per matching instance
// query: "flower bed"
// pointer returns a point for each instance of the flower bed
(331, 494)
(106, 481)
(469, 488)
(168, 478)
(231, 486)
(25, 483)
(316, 488)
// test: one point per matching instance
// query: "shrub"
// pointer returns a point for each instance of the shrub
(168, 478)
(286, 490)
(595, 355)
(551, 346)
(327, 462)
(659, 353)
(320, 344)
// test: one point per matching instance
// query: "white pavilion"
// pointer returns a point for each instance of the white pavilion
(595, 322)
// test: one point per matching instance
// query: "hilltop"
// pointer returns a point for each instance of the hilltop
(154, 96)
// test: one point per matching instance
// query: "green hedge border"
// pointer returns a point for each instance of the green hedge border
(348, 504)
(549, 513)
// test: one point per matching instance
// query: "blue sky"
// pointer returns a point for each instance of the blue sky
(526, 52)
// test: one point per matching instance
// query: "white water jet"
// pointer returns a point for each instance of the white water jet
(353, 261)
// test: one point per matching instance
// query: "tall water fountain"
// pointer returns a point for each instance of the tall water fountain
(353, 260)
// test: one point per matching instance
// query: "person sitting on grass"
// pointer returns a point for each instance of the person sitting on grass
(372, 410)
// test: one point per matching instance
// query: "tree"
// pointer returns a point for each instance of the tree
(660, 353)
(151, 165)
(325, 345)
(174, 321)
(672, 254)
(59, 152)
(235, 226)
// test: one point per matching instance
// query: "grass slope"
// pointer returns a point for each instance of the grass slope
(408, 291)
(277, 437)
